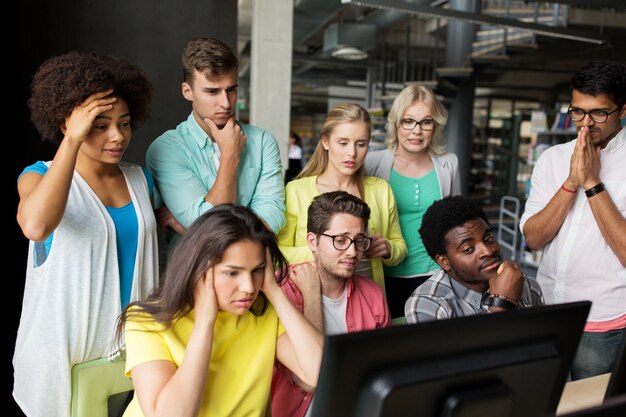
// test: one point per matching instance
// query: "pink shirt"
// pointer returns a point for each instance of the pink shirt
(367, 309)
(606, 326)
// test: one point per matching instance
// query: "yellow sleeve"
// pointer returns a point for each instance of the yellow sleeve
(280, 328)
(144, 343)
(292, 237)
(393, 232)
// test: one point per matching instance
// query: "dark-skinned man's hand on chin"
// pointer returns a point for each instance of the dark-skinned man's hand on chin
(507, 284)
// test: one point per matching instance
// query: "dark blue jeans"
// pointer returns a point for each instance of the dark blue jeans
(596, 353)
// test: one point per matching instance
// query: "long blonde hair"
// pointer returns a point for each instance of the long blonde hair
(340, 114)
(411, 94)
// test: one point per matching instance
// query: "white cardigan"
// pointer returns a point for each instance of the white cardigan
(72, 301)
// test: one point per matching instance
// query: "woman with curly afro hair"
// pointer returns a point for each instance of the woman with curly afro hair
(90, 221)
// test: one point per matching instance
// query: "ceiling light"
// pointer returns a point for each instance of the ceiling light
(349, 52)
(349, 40)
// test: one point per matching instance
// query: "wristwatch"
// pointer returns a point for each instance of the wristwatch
(496, 300)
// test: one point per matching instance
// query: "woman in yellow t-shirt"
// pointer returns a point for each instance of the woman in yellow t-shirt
(204, 343)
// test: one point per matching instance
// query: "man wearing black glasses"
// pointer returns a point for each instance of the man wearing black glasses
(326, 290)
(576, 214)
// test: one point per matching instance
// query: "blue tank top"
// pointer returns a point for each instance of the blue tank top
(126, 231)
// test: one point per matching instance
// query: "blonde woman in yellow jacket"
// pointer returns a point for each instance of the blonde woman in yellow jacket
(337, 164)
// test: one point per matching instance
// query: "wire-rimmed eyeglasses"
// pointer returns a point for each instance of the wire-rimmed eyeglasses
(597, 115)
(341, 242)
(425, 125)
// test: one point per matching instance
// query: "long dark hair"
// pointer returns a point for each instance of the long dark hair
(202, 246)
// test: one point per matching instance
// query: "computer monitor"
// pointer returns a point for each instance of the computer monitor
(510, 364)
(617, 381)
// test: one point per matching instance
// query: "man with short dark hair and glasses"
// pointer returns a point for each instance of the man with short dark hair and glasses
(576, 214)
(326, 290)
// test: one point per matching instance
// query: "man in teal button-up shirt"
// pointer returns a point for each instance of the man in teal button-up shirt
(211, 158)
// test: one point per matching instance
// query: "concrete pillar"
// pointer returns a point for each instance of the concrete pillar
(458, 131)
(270, 66)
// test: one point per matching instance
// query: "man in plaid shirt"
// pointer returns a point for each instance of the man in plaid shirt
(473, 278)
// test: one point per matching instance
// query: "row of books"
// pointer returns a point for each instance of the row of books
(562, 122)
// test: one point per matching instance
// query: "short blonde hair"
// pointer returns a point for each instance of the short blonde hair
(409, 95)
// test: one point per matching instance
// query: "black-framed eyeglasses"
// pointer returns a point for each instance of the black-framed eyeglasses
(341, 242)
(409, 124)
(597, 115)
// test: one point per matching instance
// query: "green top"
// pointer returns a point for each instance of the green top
(413, 197)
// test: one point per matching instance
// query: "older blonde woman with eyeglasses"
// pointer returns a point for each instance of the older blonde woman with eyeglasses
(420, 172)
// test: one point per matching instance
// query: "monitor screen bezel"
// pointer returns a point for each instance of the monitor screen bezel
(351, 360)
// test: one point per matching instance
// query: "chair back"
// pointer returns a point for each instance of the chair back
(398, 321)
(95, 385)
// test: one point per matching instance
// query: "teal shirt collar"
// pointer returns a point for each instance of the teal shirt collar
(198, 134)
